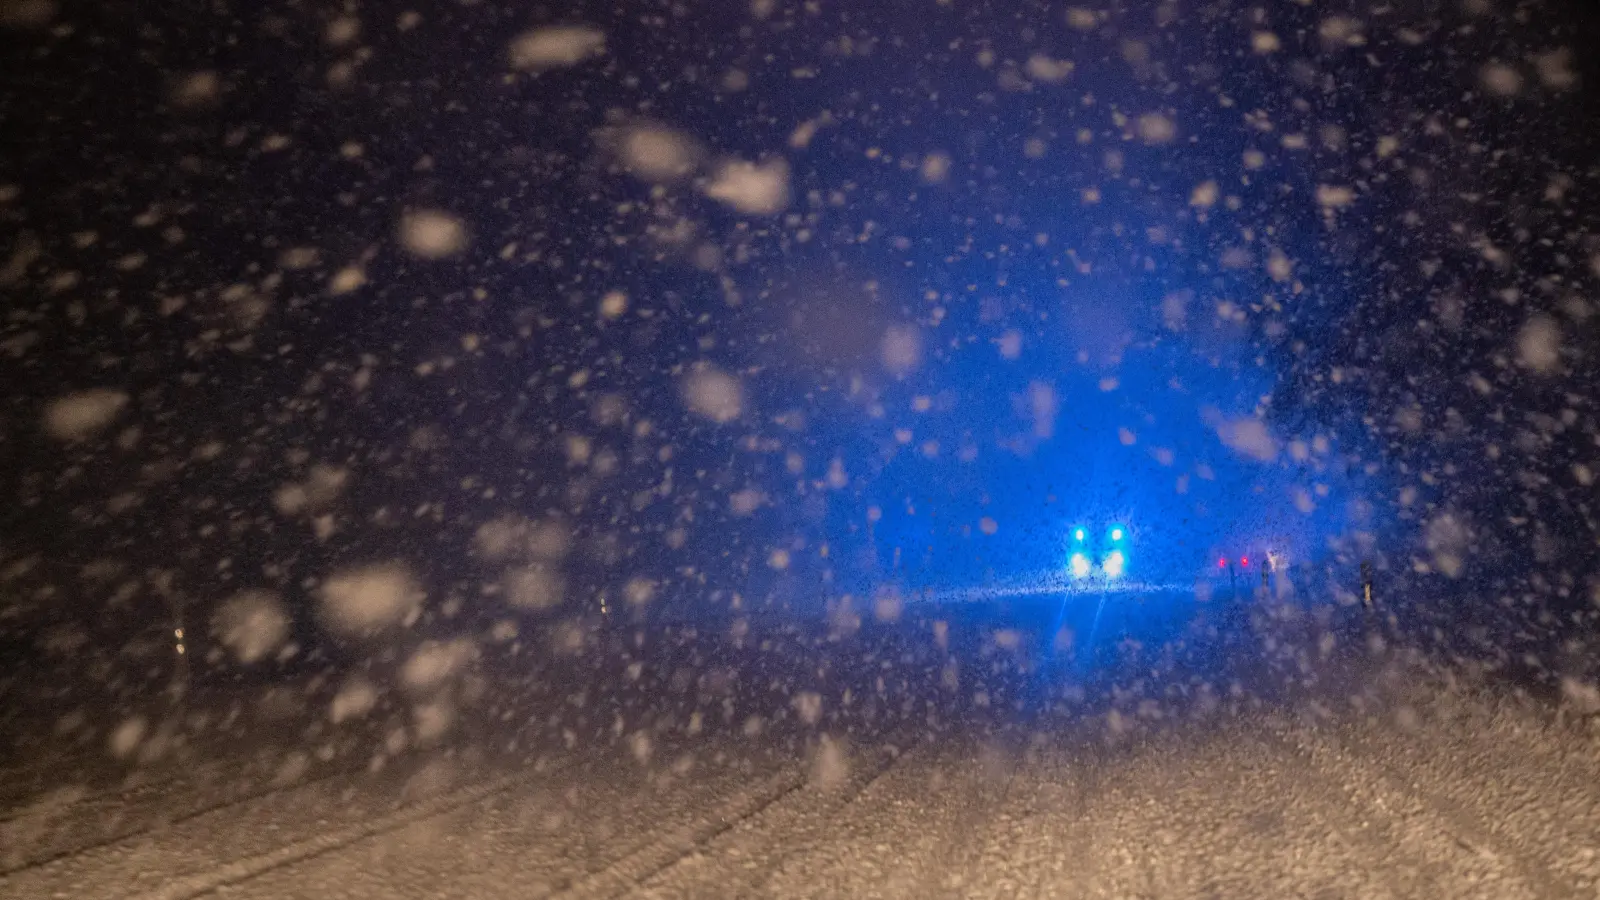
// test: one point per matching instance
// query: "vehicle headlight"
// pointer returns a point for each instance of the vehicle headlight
(1080, 565)
(1114, 563)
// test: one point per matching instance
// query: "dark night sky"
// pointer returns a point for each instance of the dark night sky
(183, 254)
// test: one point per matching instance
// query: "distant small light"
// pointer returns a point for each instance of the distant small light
(1244, 561)
(1116, 534)
(1114, 564)
(1222, 563)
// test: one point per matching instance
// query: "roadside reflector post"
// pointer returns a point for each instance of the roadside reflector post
(178, 680)
(1366, 584)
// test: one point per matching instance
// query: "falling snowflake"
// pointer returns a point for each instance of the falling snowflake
(361, 602)
(713, 394)
(79, 416)
(555, 47)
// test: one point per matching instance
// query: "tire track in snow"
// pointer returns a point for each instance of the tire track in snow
(624, 874)
(904, 836)
(1041, 848)
(202, 883)
(1205, 811)
(959, 871)
(543, 839)
(63, 797)
(80, 807)
(1371, 784)
(738, 860)
(131, 788)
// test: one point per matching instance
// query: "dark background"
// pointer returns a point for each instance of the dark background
(1441, 441)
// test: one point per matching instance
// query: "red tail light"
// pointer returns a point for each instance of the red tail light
(1244, 561)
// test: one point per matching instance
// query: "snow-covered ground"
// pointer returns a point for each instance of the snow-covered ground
(1460, 799)
(1381, 777)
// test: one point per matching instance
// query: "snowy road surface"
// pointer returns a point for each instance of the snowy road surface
(1478, 804)
(1403, 786)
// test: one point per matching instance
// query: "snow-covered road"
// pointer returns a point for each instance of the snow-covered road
(1459, 796)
